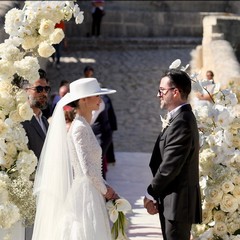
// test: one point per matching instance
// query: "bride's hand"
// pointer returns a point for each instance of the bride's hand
(111, 194)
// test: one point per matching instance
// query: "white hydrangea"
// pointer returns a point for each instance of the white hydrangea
(28, 68)
(13, 20)
(6, 70)
(26, 163)
(9, 214)
(30, 42)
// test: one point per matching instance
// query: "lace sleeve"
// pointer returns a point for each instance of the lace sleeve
(89, 155)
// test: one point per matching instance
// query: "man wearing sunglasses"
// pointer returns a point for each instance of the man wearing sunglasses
(36, 128)
(174, 192)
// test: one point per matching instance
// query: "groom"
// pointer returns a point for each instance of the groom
(174, 192)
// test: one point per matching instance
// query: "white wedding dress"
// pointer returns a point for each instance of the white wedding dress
(84, 216)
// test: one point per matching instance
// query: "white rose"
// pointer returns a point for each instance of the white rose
(45, 49)
(219, 216)
(206, 216)
(236, 179)
(232, 227)
(229, 203)
(236, 193)
(46, 27)
(57, 36)
(220, 228)
(213, 195)
(227, 186)
(25, 111)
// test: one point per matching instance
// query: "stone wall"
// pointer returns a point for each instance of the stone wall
(149, 18)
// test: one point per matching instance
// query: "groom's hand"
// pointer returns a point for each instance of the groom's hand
(150, 206)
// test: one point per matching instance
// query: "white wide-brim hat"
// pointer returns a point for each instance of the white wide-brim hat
(85, 87)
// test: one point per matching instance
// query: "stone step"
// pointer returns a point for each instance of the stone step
(107, 43)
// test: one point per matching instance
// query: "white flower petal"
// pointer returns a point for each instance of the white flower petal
(123, 205)
(175, 64)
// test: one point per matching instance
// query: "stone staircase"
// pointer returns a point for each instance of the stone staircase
(145, 24)
(134, 43)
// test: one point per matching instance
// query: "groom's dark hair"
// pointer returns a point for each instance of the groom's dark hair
(180, 80)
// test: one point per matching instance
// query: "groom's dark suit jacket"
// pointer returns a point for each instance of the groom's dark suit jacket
(174, 165)
(35, 134)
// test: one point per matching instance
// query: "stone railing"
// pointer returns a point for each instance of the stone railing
(219, 50)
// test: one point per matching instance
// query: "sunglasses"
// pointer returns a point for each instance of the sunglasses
(39, 89)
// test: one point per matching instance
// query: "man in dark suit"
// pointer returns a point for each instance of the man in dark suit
(36, 128)
(174, 191)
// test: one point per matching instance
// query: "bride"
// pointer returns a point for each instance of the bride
(71, 192)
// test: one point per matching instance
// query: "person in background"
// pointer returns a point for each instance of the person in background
(88, 72)
(174, 191)
(37, 127)
(97, 15)
(62, 91)
(210, 76)
(103, 123)
(209, 89)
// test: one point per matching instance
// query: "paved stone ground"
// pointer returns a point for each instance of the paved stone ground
(135, 74)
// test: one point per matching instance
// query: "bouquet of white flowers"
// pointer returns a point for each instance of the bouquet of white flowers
(117, 210)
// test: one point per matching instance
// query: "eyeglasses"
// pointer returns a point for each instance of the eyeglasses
(39, 89)
(164, 91)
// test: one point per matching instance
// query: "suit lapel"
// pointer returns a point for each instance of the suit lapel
(156, 156)
(45, 122)
(186, 107)
(38, 128)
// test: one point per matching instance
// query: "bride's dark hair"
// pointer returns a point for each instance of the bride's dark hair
(74, 104)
